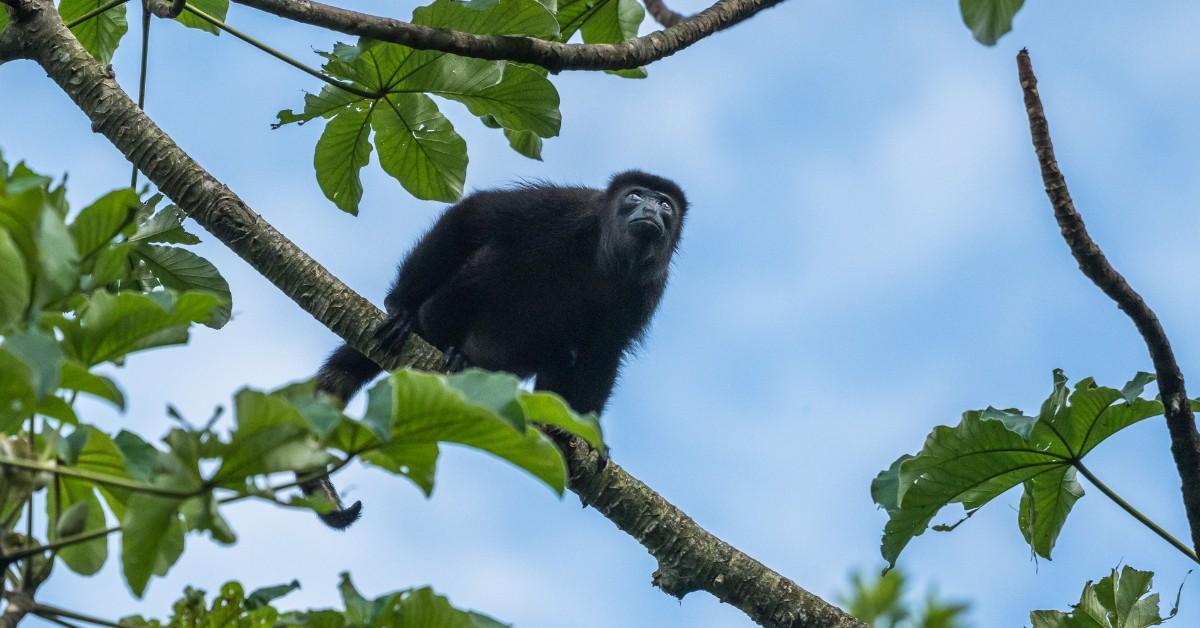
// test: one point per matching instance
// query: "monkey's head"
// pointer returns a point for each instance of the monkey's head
(644, 218)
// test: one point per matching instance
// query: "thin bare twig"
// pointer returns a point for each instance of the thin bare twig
(1181, 423)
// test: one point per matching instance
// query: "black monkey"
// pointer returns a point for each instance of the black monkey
(539, 280)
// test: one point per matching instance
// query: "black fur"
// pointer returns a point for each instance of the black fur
(538, 280)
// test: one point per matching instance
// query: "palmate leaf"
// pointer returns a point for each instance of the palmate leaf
(417, 145)
(989, 19)
(991, 451)
(101, 34)
(1117, 601)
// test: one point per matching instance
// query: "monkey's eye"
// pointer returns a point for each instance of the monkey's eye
(666, 205)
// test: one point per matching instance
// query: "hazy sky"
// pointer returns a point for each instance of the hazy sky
(869, 253)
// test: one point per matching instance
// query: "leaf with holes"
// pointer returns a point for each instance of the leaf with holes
(1119, 600)
(101, 34)
(990, 451)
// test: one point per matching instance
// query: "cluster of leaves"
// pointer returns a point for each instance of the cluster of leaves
(158, 493)
(387, 87)
(233, 608)
(1122, 601)
(78, 294)
(881, 603)
(989, 20)
(991, 451)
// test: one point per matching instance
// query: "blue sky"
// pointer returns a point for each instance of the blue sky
(869, 253)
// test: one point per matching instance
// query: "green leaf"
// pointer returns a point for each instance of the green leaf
(16, 391)
(14, 282)
(271, 435)
(215, 8)
(98, 223)
(991, 451)
(323, 105)
(165, 226)
(265, 595)
(200, 514)
(419, 147)
(1122, 601)
(1045, 504)
(81, 512)
(342, 152)
(76, 377)
(115, 325)
(415, 461)
(490, 17)
(112, 263)
(44, 357)
(151, 537)
(428, 407)
(101, 34)
(526, 143)
(602, 22)
(57, 259)
(180, 269)
(523, 100)
(989, 19)
(3, 25)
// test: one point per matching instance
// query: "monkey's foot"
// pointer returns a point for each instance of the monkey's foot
(455, 360)
(394, 329)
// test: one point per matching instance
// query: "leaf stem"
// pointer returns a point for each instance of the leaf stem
(100, 478)
(1135, 513)
(61, 543)
(62, 612)
(281, 56)
(141, 101)
(111, 4)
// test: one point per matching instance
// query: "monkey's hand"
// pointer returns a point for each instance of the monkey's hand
(394, 329)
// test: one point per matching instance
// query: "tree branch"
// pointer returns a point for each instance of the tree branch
(689, 557)
(663, 13)
(1185, 442)
(553, 56)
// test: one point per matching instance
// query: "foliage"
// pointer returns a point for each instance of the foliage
(1117, 601)
(111, 282)
(991, 451)
(231, 607)
(989, 19)
(881, 602)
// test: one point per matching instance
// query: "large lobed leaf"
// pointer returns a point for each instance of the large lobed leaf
(1117, 601)
(386, 103)
(990, 451)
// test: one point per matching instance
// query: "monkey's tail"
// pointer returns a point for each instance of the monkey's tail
(343, 373)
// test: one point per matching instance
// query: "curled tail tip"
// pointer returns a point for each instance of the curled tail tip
(341, 518)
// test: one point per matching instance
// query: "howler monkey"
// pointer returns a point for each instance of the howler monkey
(538, 280)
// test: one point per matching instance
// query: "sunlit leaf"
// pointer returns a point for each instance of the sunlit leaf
(214, 8)
(989, 19)
(101, 34)
(1117, 601)
(181, 269)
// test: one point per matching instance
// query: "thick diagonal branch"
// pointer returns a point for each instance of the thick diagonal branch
(1185, 442)
(690, 558)
(551, 55)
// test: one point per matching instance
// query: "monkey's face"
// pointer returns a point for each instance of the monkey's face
(649, 215)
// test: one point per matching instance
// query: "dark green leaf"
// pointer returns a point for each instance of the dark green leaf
(415, 461)
(523, 100)
(81, 512)
(341, 153)
(100, 35)
(1122, 601)
(324, 105)
(180, 269)
(989, 19)
(111, 264)
(526, 143)
(262, 597)
(992, 450)
(147, 538)
(115, 325)
(57, 259)
(44, 357)
(14, 282)
(98, 223)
